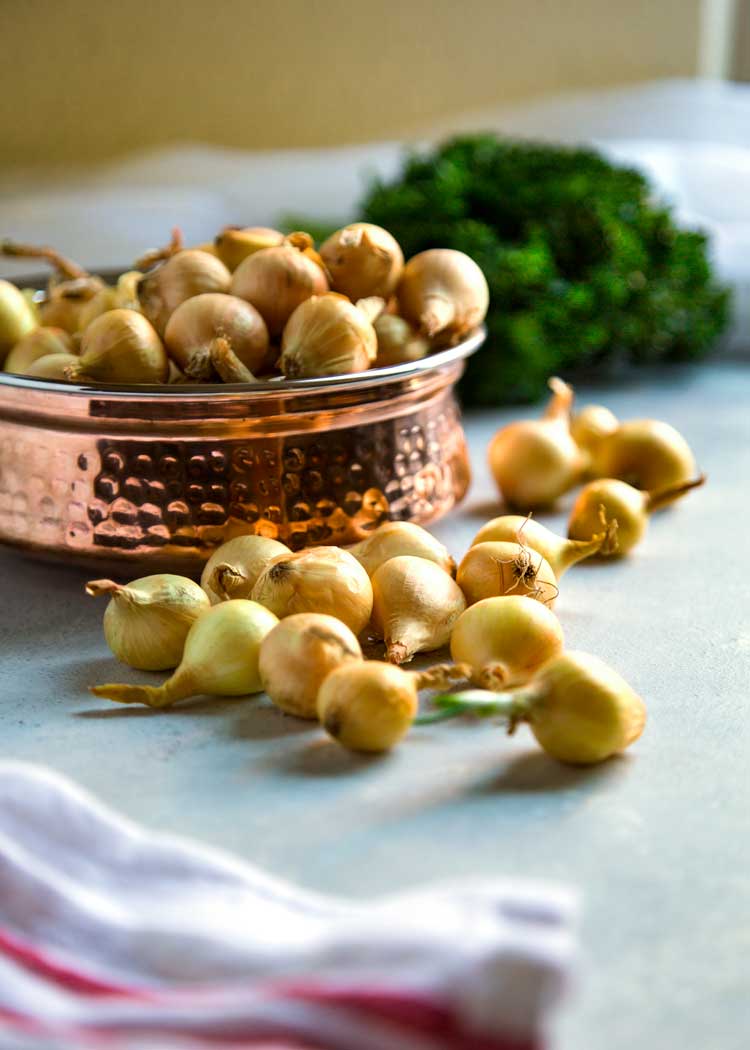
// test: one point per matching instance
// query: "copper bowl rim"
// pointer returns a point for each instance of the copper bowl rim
(352, 380)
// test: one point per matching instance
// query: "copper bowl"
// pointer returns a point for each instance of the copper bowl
(156, 477)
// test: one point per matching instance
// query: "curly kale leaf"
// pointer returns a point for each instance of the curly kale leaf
(584, 267)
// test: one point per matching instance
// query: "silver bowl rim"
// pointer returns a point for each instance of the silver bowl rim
(352, 380)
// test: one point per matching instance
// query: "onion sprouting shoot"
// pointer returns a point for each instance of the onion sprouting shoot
(415, 605)
(147, 621)
(299, 654)
(534, 461)
(579, 709)
(560, 553)
(394, 538)
(495, 568)
(443, 292)
(234, 567)
(319, 579)
(647, 453)
(220, 658)
(629, 506)
(506, 640)
(325, 336)
(369, 706)
(363, 260)
(195, 326)
(276, 280)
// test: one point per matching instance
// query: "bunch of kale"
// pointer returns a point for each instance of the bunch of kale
(584, 266)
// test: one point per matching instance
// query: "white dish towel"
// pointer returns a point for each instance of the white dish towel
(116, 937)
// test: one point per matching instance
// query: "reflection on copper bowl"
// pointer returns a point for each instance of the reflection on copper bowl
(146, 478)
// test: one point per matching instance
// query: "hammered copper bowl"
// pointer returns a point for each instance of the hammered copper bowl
(154, 478)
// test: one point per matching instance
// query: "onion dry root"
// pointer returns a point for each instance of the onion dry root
(559, 552)
(496, 568)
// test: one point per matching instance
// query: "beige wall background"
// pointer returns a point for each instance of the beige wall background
(82, 81)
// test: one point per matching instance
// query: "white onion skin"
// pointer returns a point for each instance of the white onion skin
(591, 426)
(199, 321)
(443, 292)
(276, 280)
(363, 260)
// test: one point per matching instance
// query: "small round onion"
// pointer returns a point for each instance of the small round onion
(235, 243)
(40, 342)
(186, 273)
(17, 317)
(443, 292)
(276, 281)
(362, 260)
(121, 347)
(196, 324)
(55, 367)
(327, 336)
(398, 341)
(299, 654)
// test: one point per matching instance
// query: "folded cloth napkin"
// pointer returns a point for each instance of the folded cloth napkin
(113, 936)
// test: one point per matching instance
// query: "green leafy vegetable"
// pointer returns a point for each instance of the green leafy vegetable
(584, 266)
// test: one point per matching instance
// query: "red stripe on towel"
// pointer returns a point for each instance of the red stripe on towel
(39, 961)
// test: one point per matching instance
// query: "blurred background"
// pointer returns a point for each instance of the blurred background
(87, 82)
(119, 122)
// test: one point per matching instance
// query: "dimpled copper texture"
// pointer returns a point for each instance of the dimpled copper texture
(157, 477)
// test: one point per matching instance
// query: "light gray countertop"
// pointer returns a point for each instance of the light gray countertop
(657, 842)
